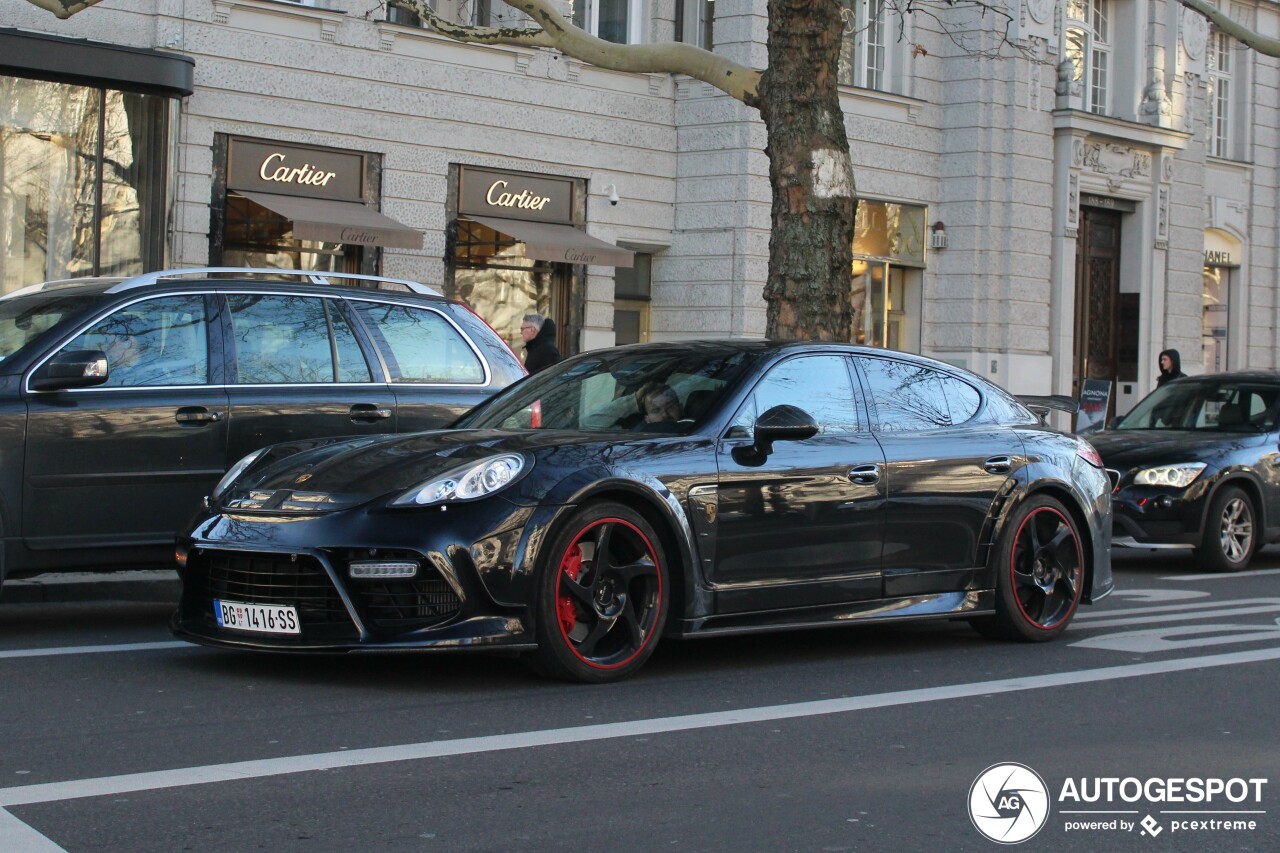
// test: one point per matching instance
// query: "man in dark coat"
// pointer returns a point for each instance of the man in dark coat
(1170, 367)
(539, 335)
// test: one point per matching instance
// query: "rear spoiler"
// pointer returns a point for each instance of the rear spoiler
(1041, 405)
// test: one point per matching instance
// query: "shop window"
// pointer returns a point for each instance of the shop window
(256, 237)
(618, 21)
(694, 22)
(1088, 47)
(492, 275)
(631, 296)
(1215, 317)
(83, 176)
(866, 44)
(885, 289)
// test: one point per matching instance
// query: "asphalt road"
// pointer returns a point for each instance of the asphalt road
(114, 737)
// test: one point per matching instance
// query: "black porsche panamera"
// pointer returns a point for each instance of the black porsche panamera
(678, 489)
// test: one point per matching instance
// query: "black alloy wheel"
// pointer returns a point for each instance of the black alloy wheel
(1230, 535)
(602, 596)
(1039, 566)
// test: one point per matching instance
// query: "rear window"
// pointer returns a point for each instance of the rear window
(25, 318)
(419, 345)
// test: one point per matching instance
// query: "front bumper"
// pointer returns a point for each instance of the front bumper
(461, 596)
(1158, 515)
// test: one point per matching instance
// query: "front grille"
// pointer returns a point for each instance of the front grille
(406, 605)
(263, 578)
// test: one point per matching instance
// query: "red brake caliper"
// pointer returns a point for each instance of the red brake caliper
(570, 567)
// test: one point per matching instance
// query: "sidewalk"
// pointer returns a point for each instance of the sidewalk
(151, 586)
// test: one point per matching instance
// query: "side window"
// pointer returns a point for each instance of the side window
(906, 396)
(819, 384)
(420, 346)
(281, 340)
(160, 341)
(962, 399)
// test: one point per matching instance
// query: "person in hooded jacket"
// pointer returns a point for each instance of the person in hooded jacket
(539, 335)
(1170, 367)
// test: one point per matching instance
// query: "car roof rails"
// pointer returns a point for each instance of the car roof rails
(61, 283)
(310, 276)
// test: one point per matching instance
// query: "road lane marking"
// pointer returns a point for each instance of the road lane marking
(1155, 640)
(91, 650)
(1217, 576)
(1153, 595)
(260, 768)
(1215, 613)
(1219, 606)
(18, 837)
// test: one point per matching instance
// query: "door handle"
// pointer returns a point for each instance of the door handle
(865, 475)
(196, 415)
(998, 465)
(369, 412)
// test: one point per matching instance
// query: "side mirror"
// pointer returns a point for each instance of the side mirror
(72, 369)
(781, 423)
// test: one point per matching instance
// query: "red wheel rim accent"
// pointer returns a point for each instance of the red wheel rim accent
(1045, 577)
(607, 609)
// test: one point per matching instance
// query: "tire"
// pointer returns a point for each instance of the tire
(1230, 535)
(599, 621)
(1039, 569)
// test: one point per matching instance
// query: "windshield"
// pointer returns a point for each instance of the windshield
(25, 318)
(1224, 406)
(641, 390)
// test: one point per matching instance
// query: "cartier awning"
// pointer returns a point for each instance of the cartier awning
(564, 243)
(339, 221)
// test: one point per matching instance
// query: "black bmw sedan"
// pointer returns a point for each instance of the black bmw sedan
(681, 489)
(1197, 464)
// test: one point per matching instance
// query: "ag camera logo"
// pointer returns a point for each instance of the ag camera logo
(1008, 803)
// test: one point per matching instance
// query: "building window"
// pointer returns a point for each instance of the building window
(864, 46)
(631, 295)
(888, 252)
(617, 21)
(1216, 316)
(694, 19)
(403, 14)
(1088, 47)
(1220, 62)
(83, 177)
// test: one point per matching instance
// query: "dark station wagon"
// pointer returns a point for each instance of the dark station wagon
(123, 401)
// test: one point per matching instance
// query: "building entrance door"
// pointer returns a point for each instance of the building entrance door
(1097, 345)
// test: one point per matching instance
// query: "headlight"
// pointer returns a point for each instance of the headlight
(229, 478)
(463, 484)
(1169, 475)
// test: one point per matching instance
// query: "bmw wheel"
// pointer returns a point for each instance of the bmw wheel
(602, 596)
(1039, 573)
(1230, 532)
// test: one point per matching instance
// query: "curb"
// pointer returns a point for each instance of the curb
(146, 586)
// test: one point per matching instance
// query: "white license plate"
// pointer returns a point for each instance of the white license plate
(260, 618)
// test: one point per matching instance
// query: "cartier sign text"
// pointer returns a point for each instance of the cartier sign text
(499, 197)
(273, 169)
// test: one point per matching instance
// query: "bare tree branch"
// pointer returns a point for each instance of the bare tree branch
(737, 81)
(1238, 31)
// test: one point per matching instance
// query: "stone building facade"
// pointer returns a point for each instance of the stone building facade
(1064, 211)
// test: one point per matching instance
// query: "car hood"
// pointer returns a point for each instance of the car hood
(1124, 449)
(339, 474)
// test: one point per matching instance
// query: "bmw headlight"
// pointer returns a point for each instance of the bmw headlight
(228, 479)
(1179, 476)
(476, 480)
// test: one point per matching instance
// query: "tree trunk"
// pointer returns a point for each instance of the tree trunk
(811, 244)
